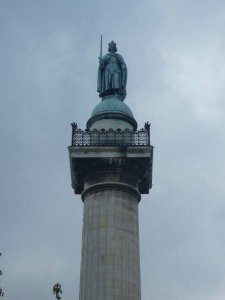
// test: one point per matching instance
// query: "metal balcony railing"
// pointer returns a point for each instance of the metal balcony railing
(104, 138)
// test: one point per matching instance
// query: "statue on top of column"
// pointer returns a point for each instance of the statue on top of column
(112, 74)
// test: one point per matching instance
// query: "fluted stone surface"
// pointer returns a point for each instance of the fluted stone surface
(110, 267)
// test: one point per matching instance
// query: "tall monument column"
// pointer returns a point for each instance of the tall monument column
(111, 166)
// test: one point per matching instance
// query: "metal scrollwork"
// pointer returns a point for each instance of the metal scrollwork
(110, 137)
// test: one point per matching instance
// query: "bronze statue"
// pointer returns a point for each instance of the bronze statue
(56, 290)
(112, 74)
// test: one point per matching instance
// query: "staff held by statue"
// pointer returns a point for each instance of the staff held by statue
(101, 47)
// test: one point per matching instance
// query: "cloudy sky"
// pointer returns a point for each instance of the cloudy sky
(175, 53)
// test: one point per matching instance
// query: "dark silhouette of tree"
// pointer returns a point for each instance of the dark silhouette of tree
(1, 290)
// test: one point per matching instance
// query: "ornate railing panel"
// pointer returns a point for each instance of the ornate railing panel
(103, 138)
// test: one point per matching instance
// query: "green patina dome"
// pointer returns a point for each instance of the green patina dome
(114, 109)
(111, 104)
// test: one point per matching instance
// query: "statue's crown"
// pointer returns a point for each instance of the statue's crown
(112, 43)
(112, 46)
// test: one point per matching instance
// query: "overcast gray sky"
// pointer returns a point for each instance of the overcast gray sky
(175, 53)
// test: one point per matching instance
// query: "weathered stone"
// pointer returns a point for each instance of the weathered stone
(110, 267)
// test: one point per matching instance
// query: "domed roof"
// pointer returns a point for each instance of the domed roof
(111, 104)
(112, 108)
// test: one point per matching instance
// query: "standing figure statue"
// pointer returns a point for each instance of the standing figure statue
(112, 74)
(56, 290)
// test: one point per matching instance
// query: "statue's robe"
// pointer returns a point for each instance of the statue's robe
(112, 75)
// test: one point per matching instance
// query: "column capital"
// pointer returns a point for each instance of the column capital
(89, 162)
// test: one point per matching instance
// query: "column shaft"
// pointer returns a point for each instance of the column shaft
(110, 264)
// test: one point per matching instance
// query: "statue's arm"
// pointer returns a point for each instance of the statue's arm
(103, 61)
(120, 59)
(123, 67)
(100, 73)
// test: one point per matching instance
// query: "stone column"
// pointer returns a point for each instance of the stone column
(110, 181)
(111, 166)
(110, 264)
